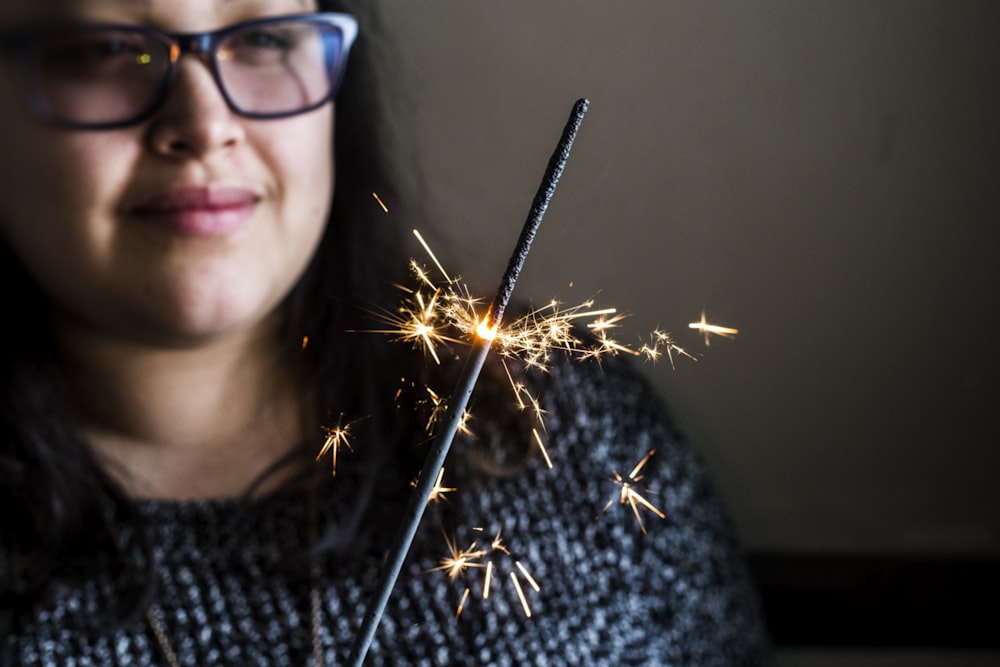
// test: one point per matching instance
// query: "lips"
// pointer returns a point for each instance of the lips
(213, 210)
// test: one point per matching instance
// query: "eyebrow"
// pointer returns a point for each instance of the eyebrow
(64, 4)
(221, 2)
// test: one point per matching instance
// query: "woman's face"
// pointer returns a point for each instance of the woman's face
(189, 226)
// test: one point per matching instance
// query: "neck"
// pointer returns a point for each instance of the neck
(202, 421)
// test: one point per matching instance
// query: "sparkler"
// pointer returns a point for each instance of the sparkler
(460, 398)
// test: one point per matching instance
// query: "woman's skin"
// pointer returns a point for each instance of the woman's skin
(166, 322)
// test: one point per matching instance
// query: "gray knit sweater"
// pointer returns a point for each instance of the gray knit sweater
(608, 594)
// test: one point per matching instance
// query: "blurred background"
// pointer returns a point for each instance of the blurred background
(823, 176)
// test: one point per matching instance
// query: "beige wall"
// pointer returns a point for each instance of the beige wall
(822, 175)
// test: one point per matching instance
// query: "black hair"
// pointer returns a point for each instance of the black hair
(57, 500)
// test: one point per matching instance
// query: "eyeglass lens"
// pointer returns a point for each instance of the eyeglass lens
(111, 75)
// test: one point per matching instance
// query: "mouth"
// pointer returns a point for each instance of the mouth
(196, 210)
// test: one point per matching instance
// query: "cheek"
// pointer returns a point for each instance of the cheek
(54, 193)
(312, 158)
(302, 162)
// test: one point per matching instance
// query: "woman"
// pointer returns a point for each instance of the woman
(183, 277)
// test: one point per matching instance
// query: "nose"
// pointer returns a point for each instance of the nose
(195, 119)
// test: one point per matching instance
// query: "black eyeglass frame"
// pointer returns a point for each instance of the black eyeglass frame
(21, 43)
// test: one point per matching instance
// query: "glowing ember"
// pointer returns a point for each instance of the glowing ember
(485, 331)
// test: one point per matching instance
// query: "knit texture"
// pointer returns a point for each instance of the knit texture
(609, 594)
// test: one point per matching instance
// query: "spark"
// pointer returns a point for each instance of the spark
(440, 408)
(660, 341)
(417, 321)
(536, 409)
(459, 560)
(305, 342)
(520, 594)
(605, 323)
(430, 253)
(437, 411)
(630, 495)
(437, 493)
(531, 580)
(709, 329)
(336, 437)
(490, 559)
(433, 314)
(487, 578)
(439, 312)
(498, 545)
(421, 274)
(461, 604)
(400, 389)
(541, 447)
(532, 337)
(385, 209)
(422, 324)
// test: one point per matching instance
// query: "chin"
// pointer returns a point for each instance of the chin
(187, 324)
(202, 303)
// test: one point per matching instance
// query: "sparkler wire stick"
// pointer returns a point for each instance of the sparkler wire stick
(460, 398)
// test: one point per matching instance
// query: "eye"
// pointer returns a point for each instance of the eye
(266, 45)
(265, 39)
(260, 44)
(94, 53)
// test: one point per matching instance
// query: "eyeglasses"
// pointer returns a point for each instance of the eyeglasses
(103, 76)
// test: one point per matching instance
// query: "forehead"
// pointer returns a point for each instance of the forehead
(174, 14)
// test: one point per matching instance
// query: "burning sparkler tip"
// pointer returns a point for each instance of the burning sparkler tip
(485, 331)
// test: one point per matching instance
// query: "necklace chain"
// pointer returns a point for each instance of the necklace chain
(161, 637)
(315, 602)
(314, 598)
